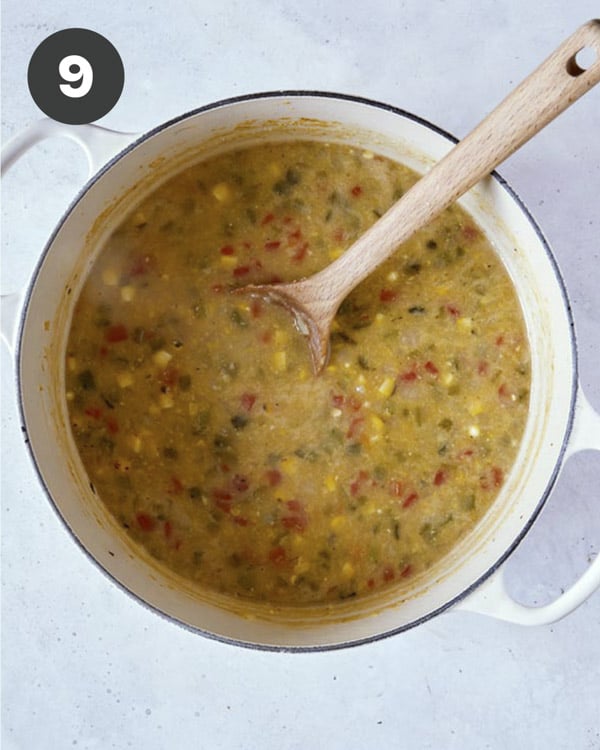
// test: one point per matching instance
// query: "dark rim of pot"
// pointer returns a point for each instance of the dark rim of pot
(291, 94)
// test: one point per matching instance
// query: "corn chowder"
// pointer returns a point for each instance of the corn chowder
(198, 418)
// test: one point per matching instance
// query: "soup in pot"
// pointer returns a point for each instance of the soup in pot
(202, 427)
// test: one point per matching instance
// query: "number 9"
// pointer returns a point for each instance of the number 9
(83, 74)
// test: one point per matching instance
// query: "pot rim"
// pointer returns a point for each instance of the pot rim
(297, 94)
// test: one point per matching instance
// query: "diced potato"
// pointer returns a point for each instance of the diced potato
(166, 401)
(474, 431)
(135, 443)
(465, 324)
(162, 358)
(110, 276)
(124, 379)
(127, 293)
(222, 192)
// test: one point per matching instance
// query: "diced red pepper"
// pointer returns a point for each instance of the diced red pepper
(256, 308)
(227, 250)
(241, 271)
(168, 529)
(169, 376)
(145, 521)
(295, 235)
(396, 488)
(453, 310)
(247, 401)
(406, 571)
(440, 477)
(296, 518)
(355, 427)
(387, 295)
(388, 574)
(410, 499)
(141, 265)
(408, 377)
(116, 333)
(95, 412)
(176, 487)
(112, 425)
(499, 340)
(240, 520)
(272, 245)
(431, 368)
(359, 482)
(240, 483)
(278, 556)
(470, 232)
(356, 191)
(300, 253)
(273, 477)
(223, 500)
(267, 219)
(494, 477)
(483, 368)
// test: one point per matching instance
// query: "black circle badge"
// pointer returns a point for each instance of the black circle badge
(75, 76)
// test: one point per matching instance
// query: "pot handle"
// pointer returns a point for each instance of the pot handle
(492, 597)
(99, 145)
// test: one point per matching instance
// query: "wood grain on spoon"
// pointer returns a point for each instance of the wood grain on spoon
(548, 91)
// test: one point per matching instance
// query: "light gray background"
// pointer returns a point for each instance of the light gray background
(83, 665)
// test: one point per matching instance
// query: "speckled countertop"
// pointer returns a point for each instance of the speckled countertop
(83, 665)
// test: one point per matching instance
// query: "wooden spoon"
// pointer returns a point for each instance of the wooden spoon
(550, 89)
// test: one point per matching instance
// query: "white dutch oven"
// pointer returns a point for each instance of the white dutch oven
(560, 421)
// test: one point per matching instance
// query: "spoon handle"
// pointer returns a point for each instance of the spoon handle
(550, 89)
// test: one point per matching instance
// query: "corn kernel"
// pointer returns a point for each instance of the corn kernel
(127, 293)
(447, 378)
(229, 261)
(347, 570)
(124, 379)
(474, 431)
(135, 443)
(379, 318)
(162, 358)
(166, 401)
(280, 338)
(222, 192)
(289, 465)
(193, 408)
(387, 387)
(337, 522)
(275, 169)
(392, 276)
(71, 364)
(377, 424)
(70, 395)
(335, 252)
(110, 277)
(475, 408)
(368, 155)
(280, 361)
(330, 483)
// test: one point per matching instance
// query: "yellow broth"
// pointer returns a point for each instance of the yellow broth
(202, 427)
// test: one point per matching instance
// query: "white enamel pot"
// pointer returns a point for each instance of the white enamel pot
(560, 420)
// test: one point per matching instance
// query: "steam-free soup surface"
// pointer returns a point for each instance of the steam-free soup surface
(198, 418)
